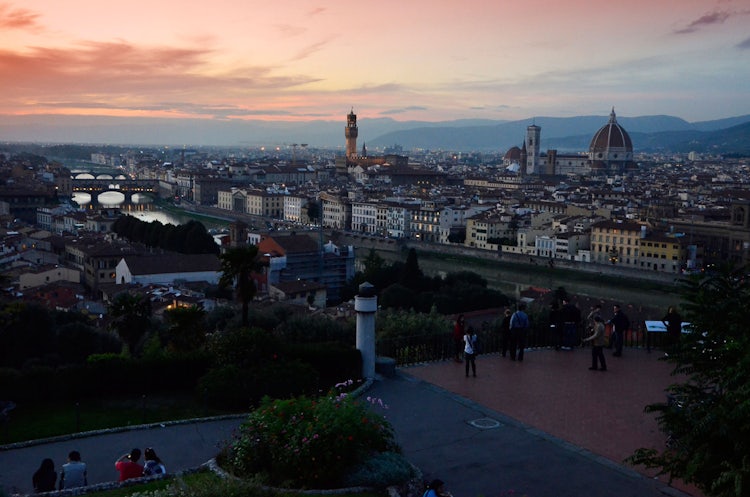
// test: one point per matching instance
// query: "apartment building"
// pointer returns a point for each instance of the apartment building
(425, 221)
(337, 211)
(617, 242)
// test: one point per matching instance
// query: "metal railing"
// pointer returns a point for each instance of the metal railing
(430, 347)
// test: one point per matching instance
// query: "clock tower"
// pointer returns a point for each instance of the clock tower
(351, 132)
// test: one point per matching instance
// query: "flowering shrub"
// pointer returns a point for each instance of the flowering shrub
(308, 443)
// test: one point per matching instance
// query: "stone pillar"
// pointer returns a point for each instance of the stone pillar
(366, 304)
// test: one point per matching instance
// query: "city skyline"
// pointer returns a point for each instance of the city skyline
(419, 60)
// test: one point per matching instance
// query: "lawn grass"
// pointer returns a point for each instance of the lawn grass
(43, 420)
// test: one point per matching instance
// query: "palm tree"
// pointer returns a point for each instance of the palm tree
(237, 266)
(131, 317)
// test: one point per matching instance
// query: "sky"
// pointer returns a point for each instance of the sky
(426, 60)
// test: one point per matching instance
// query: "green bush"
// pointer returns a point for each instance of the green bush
(308, 443)
(332, 361)
(381, 470)
(10, 383)
(231, 387)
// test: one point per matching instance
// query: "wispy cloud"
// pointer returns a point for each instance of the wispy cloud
(11, 18)
(709, 19)
(403, 110)
(124, 70)
(312, 48)
(745, 44)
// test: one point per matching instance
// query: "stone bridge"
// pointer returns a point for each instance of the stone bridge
(126, 186)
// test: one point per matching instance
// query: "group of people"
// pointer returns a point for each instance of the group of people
(564, 323)
(74, 473)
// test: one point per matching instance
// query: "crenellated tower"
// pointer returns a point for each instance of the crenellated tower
(351, 132)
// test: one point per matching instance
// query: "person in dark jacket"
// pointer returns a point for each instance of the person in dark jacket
(505, 332)
(673, 322)
(571, 318)
(620, 324)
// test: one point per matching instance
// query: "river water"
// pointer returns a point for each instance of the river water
(509, 280)
(142, 207)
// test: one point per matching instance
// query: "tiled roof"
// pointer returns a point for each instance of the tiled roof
(172, 263)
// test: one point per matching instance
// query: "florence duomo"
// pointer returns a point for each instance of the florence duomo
(610, 151)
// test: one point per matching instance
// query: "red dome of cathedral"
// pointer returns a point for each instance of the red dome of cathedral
(611, 147)
(513, 154)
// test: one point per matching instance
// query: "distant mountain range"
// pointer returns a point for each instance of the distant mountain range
(566, 134)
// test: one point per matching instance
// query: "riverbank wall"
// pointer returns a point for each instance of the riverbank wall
(364, 243)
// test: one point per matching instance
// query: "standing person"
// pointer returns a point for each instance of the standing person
(152, 464)
(519, 326)
(556, 325)
(44, 478)
(73, 473)
(459, 330)
(505, 332)
(673, 322)
(470, 352)
(598, 340)
(596, 310)
(571, 317)
(620, 324)
(128, 465)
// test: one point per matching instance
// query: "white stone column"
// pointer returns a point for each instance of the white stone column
(366, 304)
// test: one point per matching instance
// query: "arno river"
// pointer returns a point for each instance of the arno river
(510, 279)
(506, 278)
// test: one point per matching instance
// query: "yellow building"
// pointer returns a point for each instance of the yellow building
(616, 242)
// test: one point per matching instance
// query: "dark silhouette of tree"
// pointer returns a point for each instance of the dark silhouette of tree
(186, 328)
(313, 211)
(131, 319)
(27, 331)
(397, 296)
(708, 419)
(412, 275)
(237, 266)
(457, 237)
(78, 340)
(189, 238)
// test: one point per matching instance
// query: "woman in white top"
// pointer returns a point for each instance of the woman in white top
(470, 353)
(152, 464)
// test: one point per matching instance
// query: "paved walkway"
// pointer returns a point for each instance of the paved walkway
(555, 393)
(546, 427)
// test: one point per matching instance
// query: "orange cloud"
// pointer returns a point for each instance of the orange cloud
(11, 18)
(122, 76)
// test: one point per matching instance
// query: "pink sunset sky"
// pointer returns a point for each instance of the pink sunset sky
(422, 60)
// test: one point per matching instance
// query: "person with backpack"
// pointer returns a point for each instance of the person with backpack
(519, 328)
(470, 351)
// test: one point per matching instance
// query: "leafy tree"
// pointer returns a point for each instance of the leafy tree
(412, 275)
(78, 340)
(399, 323)
(237, 266)
(313, 211)
(131, 318)
(186, 329)
(708, 417)
(27, 331)
(397, 296)
(457, 236)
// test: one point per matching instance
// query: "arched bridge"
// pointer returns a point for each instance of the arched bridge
(97, 186)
